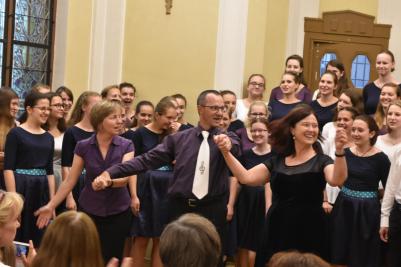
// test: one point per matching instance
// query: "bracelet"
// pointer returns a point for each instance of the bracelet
(339, 155)
(111, 184)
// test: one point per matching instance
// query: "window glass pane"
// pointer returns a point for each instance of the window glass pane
(324, 60)
(2, 17)
(360, 71)
(32, 19)
(29, 68)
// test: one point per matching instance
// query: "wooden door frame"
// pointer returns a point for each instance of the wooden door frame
(342, 27)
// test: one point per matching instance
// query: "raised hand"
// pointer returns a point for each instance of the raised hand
(223, 142)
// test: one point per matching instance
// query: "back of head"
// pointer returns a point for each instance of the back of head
(296, 259)
(192, 241)
(11, 203)
(70, 240)
(77, 113)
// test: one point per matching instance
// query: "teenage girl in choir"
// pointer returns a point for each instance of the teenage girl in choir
(325, 106)
(56, 126)
(28, 163)
(230, 101)
(294, 63)
(343, 119)
(8, 112)
(79, 129)
(68, 99)
(258, 109)
(388, 94)
(143, 114)
(255, 89)
(110, 208)
(338, 69)
(390, 223)
(253, 201)
(355, 227)
(290, 83)
(125, 132)
(298, 175)
(181, 107)
(152, 185)
(371, 92)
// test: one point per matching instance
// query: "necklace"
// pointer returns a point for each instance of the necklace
(359, 154)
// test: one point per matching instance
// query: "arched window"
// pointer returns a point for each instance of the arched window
(26, 32)
(360, 71)
(324, 60)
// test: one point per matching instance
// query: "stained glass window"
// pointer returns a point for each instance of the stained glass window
(360, 71)
(324, 60)
(28, 59)
(2, 24)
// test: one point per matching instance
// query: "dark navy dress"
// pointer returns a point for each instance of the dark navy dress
(235, 125)
(371, 96)
(323, 114)
(251, 205)
(305, 95)
(151, 189)
(26, 152)
(355, 240)
(295, 220)
(245, 142)
(279, 109)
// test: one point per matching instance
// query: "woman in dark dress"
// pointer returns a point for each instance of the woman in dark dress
(80, 129)
(385, 63)
(294, 63)
(253, 201)
(230, 101)
(298, 175)
(143, 114)
(355, 240)
(290, 83)
(28, 164)
(326, 104)
(151, 186)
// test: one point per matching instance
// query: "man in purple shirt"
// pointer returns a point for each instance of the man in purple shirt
(183, 147)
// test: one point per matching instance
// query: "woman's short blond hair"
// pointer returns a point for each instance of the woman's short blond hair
(101, 110)
(295, 258)
(11, 203)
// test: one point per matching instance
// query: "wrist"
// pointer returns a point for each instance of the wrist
(339, 153)
(110, 183)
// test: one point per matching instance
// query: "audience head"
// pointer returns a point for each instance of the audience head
(351, 98)
(393, 116)
(83, 106)
(299, 125)
(389, 93)
(345, 117)
(295, 63)
(256, 86)
(210, 109)
(385, 63)
(56, 112)
(68, 98)
(106, 117)
(11, 204)
(128, 92)
(296, 259)
(78, 245)
(327, 84)
(338, 69)
(165, 113)
(37, 108)
(230, 100)
(198, 243)
(181, 105)
(8, 106)
(143, 114)
(290, 82)
(258, 109)
(259, 130)
(364, 130)
(111, 92)
(225, 121)
(41, 88)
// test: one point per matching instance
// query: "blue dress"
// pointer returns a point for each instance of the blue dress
(24, 153)
(323, 114)
(279, 109)
(305, 95)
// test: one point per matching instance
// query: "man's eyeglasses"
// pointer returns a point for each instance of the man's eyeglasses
(216, 108)
(262, 85)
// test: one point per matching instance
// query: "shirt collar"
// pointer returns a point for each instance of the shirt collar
(115, 141)
(212, 131)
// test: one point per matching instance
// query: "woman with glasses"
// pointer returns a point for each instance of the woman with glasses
(68, 99)
(388, 94)
(290, 83)
(255, 90)
(28, 164)
(294, 63)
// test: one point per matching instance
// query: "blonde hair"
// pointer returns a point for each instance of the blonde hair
(101, 110)
(256, 103)
(77, 113)
(295, 258)
(11, 203)
(71, 240)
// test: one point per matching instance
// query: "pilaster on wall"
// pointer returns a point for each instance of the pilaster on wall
(231, 45)
(107, 41)
(297, 12)
(388, 14)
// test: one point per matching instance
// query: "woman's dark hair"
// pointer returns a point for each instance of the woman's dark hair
(301, 64)
(67, 91)
(343, 81)
(355, 95)
(6, 120)
(354, 112)
(263, 120)
(31, 99)
(138, 110)
(161, 108)
(61, 124)
(180, 96)
(77, 113)
(297, 78)
(332, 75)
(126, 84)
(372, 126)
(281, 138)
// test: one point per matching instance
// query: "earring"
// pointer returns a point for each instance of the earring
(293, 137)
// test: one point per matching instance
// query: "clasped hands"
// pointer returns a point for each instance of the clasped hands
(101, 182)
(223, 142)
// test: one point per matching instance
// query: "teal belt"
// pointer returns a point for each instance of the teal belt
(358, 194)
(35, 172)
(166, 168)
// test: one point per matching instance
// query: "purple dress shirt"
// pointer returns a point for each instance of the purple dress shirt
(111, 200)
(183, 147)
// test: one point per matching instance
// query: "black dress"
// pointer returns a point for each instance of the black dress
(251, 205)
(279, 109)
(323, 114)
(295, 220)
(355, 240)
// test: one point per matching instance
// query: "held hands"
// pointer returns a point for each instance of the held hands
(341, 139)
(101, 182)
(223, 142)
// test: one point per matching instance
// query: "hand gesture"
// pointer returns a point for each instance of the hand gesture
(384, 234)
(341, 139)
(223, 142)
(44, 214)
